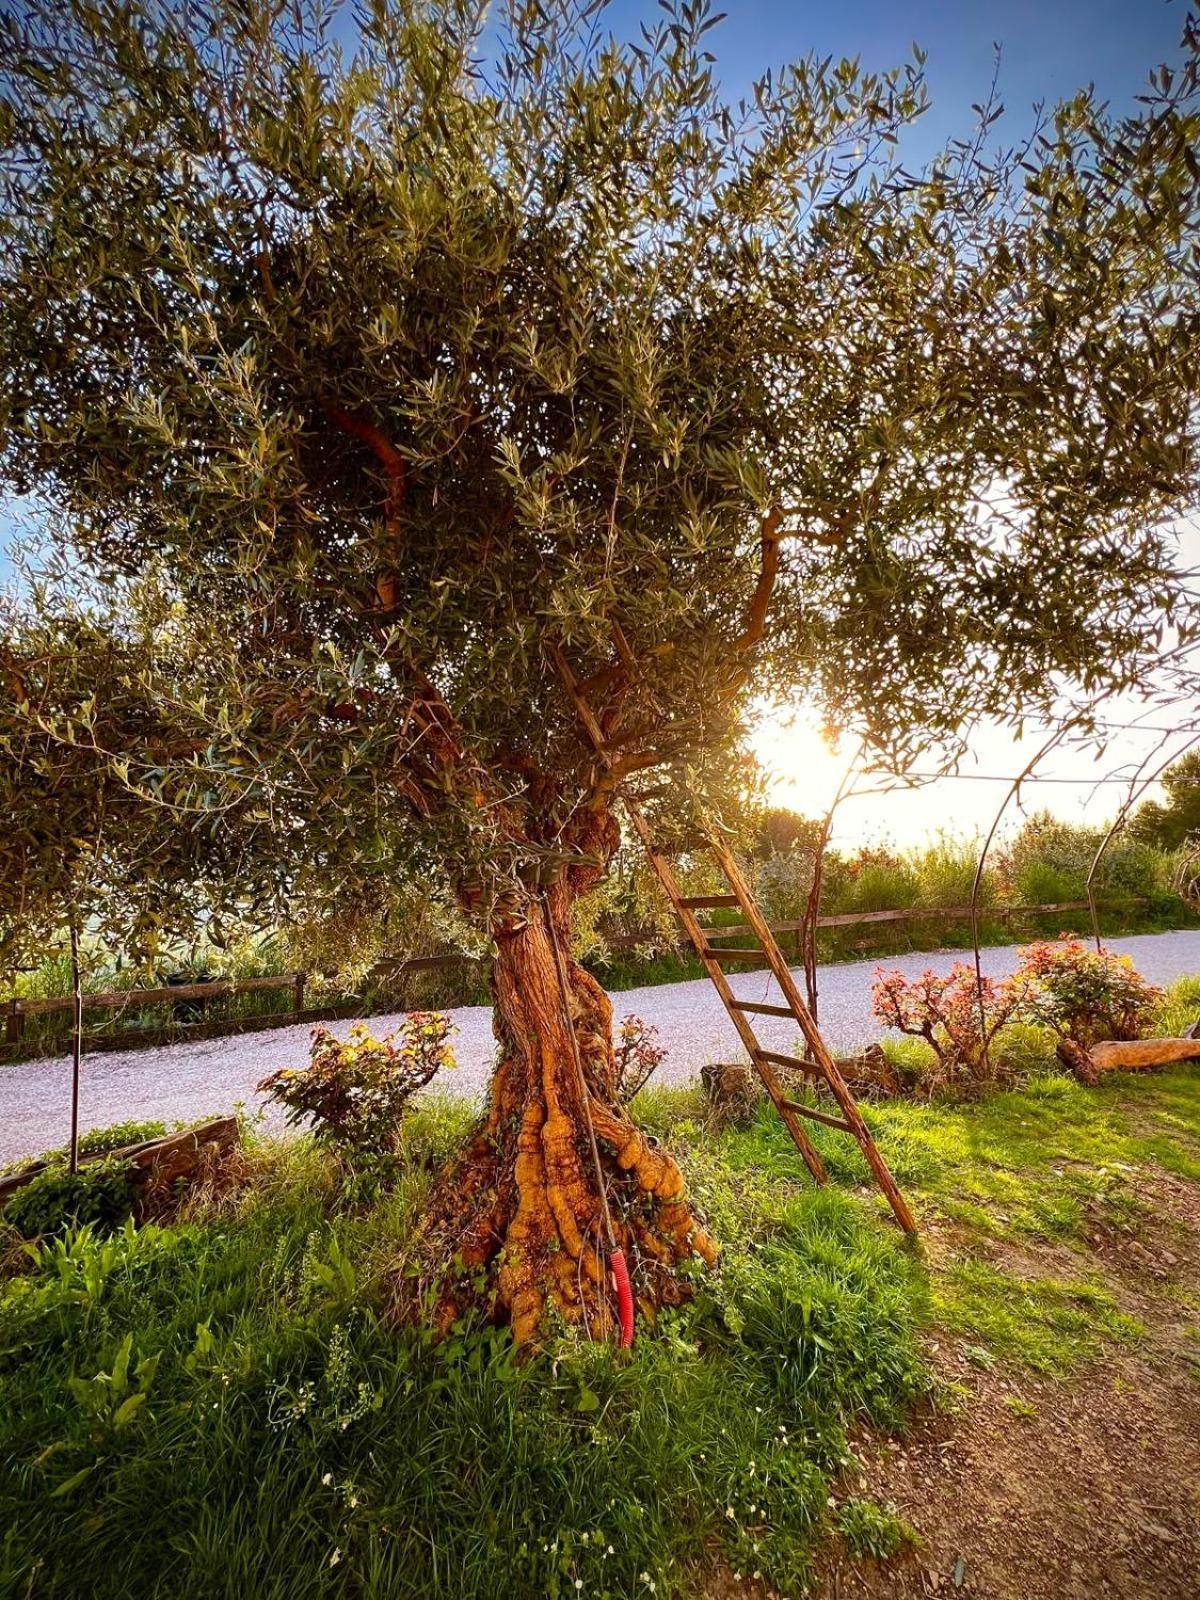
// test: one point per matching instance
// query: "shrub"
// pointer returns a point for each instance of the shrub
(955, 1019)
(638, 1056)
(876, 879)
(945, 870)
(99, 1194)
(355, 1091)
(119, 1136)
(1084, 994)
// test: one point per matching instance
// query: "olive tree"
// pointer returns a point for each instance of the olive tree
(392, 368)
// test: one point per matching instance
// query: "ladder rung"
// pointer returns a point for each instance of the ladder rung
(734, 954)
(824, 1117)
(762, 1009)
(790, 1061)
(698, 902)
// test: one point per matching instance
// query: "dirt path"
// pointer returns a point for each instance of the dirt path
(1041, 1490)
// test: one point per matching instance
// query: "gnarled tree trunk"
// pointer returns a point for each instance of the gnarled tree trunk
(521, 1203)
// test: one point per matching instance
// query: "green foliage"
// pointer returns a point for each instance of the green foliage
(1044, 1325)
(1179, 1008)
(1049, 860)
(118, 1136)
(352, 377)
(98, 1195)
(314, 1428)
(872, 1530)
(407, 1468)
(1175, 820)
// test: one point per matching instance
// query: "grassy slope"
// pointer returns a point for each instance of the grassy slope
(291, 1443)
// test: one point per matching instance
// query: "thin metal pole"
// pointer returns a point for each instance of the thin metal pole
(812, 909)
(1014, 788)
(76, 1042)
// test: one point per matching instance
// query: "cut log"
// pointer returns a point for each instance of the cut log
(1134, 1054)
(731, 1090)
(1125, 1055)
(164, 1160)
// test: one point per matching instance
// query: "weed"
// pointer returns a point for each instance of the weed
(873, 1530)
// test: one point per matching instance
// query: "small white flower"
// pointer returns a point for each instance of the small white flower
(327, 1479)
(335, 1558)
(729, 1512)
(579, 1583)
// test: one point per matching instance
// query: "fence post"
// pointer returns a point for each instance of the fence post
(12, 1024)
(298, 992)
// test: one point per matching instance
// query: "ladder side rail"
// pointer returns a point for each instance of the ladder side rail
(812, 1037)
(695, 933)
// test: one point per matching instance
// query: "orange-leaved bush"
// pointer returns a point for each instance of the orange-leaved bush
(1083, 994)
(638, 1055)
(354, 1091)
(956, 1017)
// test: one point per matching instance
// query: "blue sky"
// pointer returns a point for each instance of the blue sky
(1049, 47)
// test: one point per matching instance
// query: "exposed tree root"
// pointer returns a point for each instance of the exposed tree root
(518, 1213)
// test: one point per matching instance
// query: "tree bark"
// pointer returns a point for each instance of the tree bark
(518, 1213)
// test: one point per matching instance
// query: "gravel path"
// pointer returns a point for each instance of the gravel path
(210, 1076)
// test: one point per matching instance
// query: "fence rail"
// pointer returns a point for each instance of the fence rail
(195, 994)
(852, 919)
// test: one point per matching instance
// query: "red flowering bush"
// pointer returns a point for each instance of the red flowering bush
(1084, 994)
(946, 1011)
(638, 1054)
(354, 1091)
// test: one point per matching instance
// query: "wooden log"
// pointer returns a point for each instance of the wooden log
(177, 1155)
(1124, 1055)
(1134, 1055)
(174, 1156)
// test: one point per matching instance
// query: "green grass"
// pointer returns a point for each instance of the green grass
(289, 1442)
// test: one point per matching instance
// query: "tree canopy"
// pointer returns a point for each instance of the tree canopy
(363, 371)
(1174, 820)
(373, 369)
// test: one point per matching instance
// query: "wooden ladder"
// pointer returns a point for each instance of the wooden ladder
(818, 1065)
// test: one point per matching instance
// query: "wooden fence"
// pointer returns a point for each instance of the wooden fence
(198, 995)
(195, 995)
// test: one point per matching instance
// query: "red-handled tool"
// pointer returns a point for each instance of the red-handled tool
(620, 1272)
